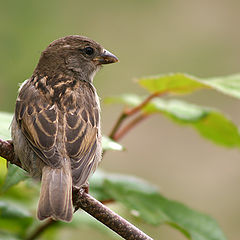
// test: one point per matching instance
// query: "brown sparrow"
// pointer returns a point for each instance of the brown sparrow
(56, 127)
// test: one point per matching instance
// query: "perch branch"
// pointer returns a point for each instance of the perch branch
(108, 217)
(87, 203)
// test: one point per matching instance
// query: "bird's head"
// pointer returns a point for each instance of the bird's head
(74, 54)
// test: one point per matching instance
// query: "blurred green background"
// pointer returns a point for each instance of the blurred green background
(149, 37)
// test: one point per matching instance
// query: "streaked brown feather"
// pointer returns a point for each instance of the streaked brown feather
(39, 124)
(82, 134)
(40, 121)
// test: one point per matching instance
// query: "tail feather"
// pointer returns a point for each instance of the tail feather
(56, 194)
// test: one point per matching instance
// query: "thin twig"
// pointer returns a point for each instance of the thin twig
(118, 124)
(143, 104)
(130, 112)
(129, 126)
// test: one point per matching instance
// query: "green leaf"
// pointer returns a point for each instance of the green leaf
(14, 218)
(13, 177)
(8, 236)
(210, 123)
(11, 210)
(180, 83)
(14, 174)
(109, 144)
(96, 186)
(146, 203)
(127, 99)
(5, 120)
(229, 85)
(3, 169)
(219, 129)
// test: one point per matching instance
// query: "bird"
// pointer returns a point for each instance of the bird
(56, 125)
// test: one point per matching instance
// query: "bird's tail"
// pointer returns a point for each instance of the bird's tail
(56, 193)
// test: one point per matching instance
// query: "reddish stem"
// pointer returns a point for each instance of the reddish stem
(126, 113)
(142, 104)
(129, 126)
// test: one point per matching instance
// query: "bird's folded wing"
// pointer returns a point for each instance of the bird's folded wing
(82, 141)
(72, 132)
(38, 122)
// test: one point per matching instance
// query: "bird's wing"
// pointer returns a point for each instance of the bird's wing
(76, 125)
(82, 136)
(38, 122)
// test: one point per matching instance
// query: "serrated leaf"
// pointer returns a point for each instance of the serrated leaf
(109, 144)
(180, 83)
(148, 204)
(5, 120)
(210, 123)
(13, 177)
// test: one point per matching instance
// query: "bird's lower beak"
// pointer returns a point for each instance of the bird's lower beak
(105, 58)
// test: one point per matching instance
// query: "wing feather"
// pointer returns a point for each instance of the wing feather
(38, 122)
(74, 128)
(82, 140)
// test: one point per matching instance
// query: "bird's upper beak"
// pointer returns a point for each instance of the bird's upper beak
(105, 58)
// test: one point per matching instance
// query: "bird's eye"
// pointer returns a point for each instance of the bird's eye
(88, 50)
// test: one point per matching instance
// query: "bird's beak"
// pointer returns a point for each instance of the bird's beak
(105, 58)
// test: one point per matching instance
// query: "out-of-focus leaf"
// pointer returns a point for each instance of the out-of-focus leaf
(219, 129)
(5, 121)
(127, 99)
(180, 83)
(10, 210)
(144, 200)
(14, 218)
(8, 236)
(210, 123)
(96, 186)
(229, 85)
(3, 170)
(109, 144)
(13, 177)
(14, 174)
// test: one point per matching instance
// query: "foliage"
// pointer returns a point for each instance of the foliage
(210, 123)
(142, 199)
